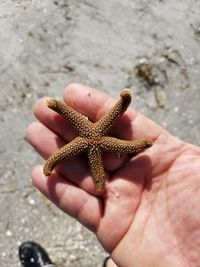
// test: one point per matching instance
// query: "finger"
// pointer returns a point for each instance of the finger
(46, 142)
(94, 104)
(69, 198)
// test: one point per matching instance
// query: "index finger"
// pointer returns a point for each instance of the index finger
(94, 104)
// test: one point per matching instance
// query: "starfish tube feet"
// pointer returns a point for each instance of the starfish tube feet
(76, 146)
(126, 95)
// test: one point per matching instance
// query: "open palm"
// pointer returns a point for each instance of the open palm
(149, 214)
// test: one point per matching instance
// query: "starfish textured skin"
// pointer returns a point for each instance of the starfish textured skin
(93, 138)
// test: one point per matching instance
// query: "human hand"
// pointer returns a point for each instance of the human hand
(149, 214)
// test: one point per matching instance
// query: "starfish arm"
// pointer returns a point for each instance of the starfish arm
(96, 168)
(75, 147)
(79, 121)
(124, 146)
(104, 125)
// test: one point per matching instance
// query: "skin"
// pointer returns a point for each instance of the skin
(149, 214)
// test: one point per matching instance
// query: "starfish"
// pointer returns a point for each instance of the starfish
(93, 138)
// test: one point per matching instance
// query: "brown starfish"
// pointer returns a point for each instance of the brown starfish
(93, 138)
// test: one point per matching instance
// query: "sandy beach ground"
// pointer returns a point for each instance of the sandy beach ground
(152, 47)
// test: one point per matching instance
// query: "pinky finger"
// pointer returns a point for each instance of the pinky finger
(68, 197)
